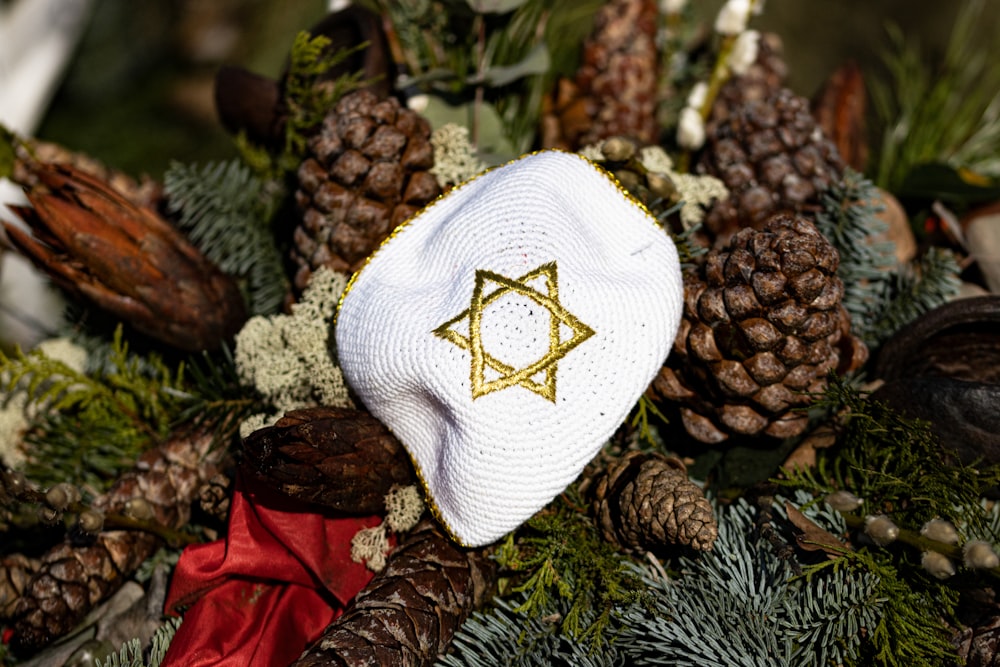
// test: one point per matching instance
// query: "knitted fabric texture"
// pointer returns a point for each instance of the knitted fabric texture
(505, 331)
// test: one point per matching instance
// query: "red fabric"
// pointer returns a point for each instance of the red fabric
(260, 596)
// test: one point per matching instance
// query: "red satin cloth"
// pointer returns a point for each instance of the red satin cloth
(260, 596)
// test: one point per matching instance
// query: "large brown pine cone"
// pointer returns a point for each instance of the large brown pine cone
(72, 578)
(763, 323)
(614, 92)
(366, 172)
(336, 457)
(646, 501)
(410, 611)
(773, 158)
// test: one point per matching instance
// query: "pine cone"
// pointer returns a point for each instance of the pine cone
(762, 80)
(410, 611)
(762, 323)
(615, 89)
(15, 573)
(337, 457)
(126, 259)
(772, 157)
(646, 501)
(366, 172)
(72, 579)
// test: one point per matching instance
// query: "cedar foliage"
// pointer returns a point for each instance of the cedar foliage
(89, 426)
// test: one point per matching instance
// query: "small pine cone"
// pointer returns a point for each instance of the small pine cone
(366, 171)
(772, 157)
(410, 611)
(762, 325)
(16, 571)
(337, 457)
(215, 495)
(615, 89)
(73, 579)
(646, 501)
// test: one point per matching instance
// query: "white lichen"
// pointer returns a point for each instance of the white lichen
(404, 506)
(371, 546)
(697, 192)
(455, 159)
(290, 359)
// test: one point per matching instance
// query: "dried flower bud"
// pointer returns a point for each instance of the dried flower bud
(90, 521)
(937, 565)
(672, 6)
(61, 496)
(690, 129)
(979, 555)
(881, 529)
(940, 530)
(661, 185)
(618, 149)
(843, 501)
(49, 515)
(139, 509)
(14, 482)
(732, 18)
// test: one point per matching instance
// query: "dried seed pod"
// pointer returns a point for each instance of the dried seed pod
(646, 501)
(15, 573)
(410, 611)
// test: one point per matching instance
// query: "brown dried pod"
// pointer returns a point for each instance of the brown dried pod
(944, 368)
(337, 457)
(125, 259)
(839, 109)
(646, 501)
(72, 579)
(410, 611)
(15, 573)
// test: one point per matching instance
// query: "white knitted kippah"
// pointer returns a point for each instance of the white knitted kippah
(505, 331)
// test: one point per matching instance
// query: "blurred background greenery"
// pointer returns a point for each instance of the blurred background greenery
(138, 93)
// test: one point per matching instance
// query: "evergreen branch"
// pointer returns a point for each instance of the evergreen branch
(85, 427)
(559, 555)
(226, 211)
(131, 654)
(914, 291)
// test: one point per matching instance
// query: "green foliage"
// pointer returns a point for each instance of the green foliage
(132, 655)
(7, 151)
(909, 631)
(86, 427)
(505, 61)
(947, 114)
(739, 605)
(915, 290)
(505, 637)
(849, 220)
(307, 97)
(895, 464)
(559, 555)
(226, 211)
(880, 296)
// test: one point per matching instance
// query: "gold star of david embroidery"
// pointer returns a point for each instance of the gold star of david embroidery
(509, 375)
